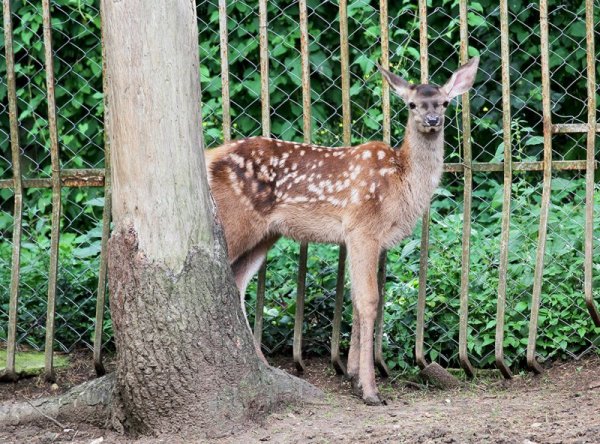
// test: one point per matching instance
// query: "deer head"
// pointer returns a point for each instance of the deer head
(427, 103)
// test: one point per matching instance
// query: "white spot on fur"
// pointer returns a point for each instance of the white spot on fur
(302, 152)
(366, 155)
(237, 159)
(380, 154)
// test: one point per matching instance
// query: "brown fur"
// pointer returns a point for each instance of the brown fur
(368, 196)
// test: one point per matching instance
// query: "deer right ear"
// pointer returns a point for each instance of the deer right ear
(398, 84)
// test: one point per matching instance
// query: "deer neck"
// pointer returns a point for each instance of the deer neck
(424, 154)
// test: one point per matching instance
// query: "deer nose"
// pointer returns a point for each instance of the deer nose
(432, 120)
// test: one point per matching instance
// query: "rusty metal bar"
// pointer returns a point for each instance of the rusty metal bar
(106, 217)
(516, 166)
(387, 138)
(304, 53)
(589, 173)
(68, 178)
(547, 187)
(225, 70)
(299, 318)
(506, 202)
(77, 178)
(420, 329)
(101, 298)
(468, 192)
(10, 373)
(260, 303)
(378, 346)
(385, 63)
(56, 201)
(336, 359)
(266, 131)
(577, 127)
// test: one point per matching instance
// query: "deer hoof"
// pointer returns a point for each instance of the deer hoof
(375, 399)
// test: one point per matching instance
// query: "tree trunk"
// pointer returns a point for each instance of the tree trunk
(186, 359)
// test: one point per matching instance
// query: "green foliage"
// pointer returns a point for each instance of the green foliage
(565, 327)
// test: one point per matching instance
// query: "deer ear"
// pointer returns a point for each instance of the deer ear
(398, 84)
(462, 80)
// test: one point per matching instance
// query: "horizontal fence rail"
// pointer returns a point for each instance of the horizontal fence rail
(252, 66)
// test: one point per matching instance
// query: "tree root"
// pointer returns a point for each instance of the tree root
(94, 402)
(89, 402)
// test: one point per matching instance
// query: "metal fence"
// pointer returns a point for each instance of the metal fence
(506, 251)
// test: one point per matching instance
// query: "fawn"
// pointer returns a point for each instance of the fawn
(368, 197)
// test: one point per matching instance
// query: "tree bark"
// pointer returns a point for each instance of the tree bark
(186, 359)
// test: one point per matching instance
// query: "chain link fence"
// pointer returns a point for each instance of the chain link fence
(232, 104)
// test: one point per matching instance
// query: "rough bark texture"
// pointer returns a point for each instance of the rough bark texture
(438, 376)
(88, 402)
(186, 359)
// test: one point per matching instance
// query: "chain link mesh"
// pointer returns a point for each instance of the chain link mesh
(565, 327)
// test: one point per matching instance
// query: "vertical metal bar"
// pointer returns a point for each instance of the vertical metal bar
(264, 67)
(260, 304)
(506, 203)
(385, 63)
(106, 218)
(468, 191)
(420, 333)
(336, 360)
(307, 139)
(378, 347)
(541, 248)
(299, 318)
(56, 202)
(11, 345)
(225, 70)
(101, 298)
(589, 172)
(266, 131)
(387, 136)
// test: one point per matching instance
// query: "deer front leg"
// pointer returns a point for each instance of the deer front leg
(364, 254)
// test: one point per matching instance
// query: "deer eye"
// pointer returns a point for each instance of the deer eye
(445, 104)
(412, 105)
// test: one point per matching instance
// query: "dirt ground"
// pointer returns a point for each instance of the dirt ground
(560, 406)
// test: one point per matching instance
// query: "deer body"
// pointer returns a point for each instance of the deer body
(368, 197)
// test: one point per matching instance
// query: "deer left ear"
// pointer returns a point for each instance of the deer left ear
(398, 84)
(462, 80)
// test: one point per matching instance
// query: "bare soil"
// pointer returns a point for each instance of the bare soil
(560, 406)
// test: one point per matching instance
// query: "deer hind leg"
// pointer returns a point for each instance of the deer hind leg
(364, 254)
(353, 366)
(245, 267)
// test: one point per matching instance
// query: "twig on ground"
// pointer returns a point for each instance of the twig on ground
(62, 426)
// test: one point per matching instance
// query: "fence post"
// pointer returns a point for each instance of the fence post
(225, 70)
(56, 187)
(420, 329)
(468, 191)
(10, 372)
(590, 163)
(547, 188)
(266, 131)
(297, 346)
(506, 201)
(336, 360)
